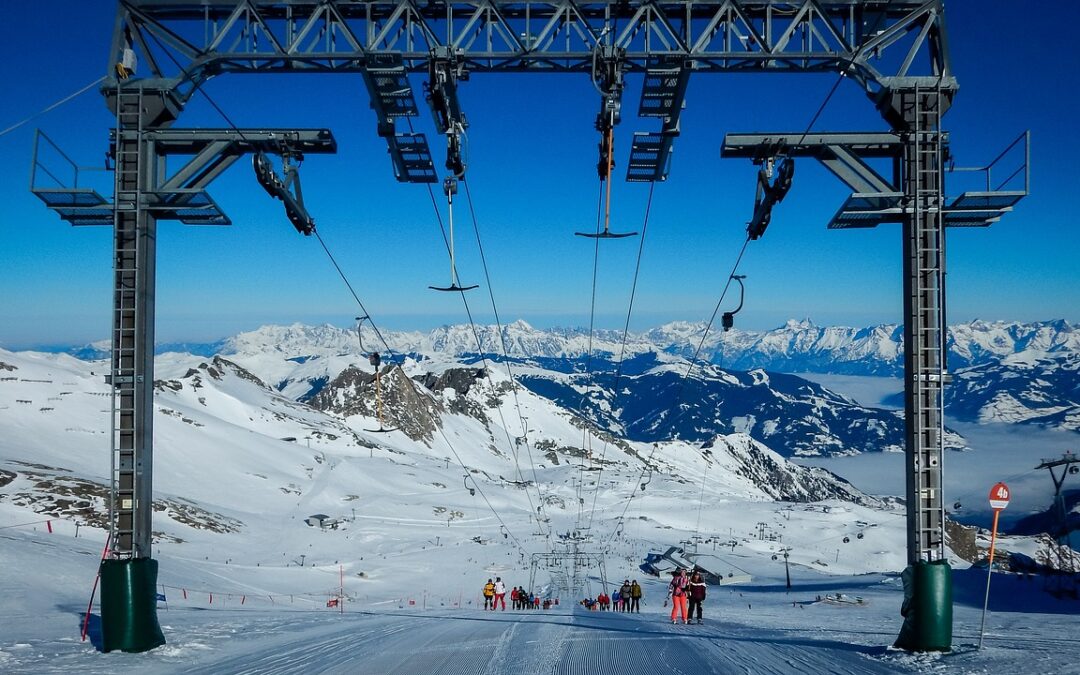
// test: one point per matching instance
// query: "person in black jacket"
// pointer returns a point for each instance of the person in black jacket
(696, 593)
(635, 597)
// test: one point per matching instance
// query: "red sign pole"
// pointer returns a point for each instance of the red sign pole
(999, 501)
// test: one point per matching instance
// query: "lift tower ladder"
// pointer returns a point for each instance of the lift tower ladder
(925, 324)
(132, 336)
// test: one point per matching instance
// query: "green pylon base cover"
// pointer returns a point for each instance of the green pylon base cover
(927, 608)
(129, 605)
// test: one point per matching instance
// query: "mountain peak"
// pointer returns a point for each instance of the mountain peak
(520, 325)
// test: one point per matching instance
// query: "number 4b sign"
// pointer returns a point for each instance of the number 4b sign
(999, 500)
(999, 496)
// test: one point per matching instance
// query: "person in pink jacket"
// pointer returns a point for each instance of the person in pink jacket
(677, 592)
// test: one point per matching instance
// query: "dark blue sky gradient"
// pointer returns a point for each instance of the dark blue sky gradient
(532, 155)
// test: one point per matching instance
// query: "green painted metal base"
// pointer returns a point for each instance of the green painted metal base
(129, 605)
(927, 608)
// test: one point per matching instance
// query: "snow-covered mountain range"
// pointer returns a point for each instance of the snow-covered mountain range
(797, 346)
(223, 436)
(1004, 371)
(789, 414)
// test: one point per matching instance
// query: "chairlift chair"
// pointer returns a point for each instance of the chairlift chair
(472, 491)
(450, 189)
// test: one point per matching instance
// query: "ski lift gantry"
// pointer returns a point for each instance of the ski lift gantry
(164, 50)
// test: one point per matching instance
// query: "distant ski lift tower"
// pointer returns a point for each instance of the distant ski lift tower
(895, 50)
(1063, 556)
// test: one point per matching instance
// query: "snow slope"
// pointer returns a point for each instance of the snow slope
(419, 518)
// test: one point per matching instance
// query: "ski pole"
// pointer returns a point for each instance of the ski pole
(93, 591)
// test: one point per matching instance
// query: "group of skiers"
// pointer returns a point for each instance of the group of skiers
(685, 592)
(626, 599)
(495, 595)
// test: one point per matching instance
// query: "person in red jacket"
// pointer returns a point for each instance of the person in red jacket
(696, 593)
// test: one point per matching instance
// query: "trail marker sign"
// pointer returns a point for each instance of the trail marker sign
(999, 500)
(999, 496)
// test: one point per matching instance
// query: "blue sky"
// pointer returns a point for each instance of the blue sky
(532, 152)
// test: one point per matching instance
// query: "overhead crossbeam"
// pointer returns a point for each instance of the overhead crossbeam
(881, 46)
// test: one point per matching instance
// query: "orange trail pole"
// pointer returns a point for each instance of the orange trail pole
(93, 591)
(989, 569)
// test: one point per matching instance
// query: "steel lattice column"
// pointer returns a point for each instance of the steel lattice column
(924, 319)
(132, 376)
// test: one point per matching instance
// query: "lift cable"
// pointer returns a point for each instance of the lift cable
(389, 350)
(689, 369)
(645, 467)
(50, 108)
(843, 73)
(446, 241)
(625, 333)
(709, 325)
(352, 292)
(701, 496)
(480, 350)
(810, 125)
(502, 340)
(483, 495)
(333, 261)
(585, 439)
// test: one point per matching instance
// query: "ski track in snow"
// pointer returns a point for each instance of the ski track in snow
(520, 643)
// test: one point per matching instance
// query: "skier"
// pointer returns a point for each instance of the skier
(500, 594)
(696, 593)
(616, 598)
(514, 597)
(677, 594)
(625, 594)
(489, 595)
(635, 597)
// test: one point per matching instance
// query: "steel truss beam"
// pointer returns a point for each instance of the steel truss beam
(882, 46)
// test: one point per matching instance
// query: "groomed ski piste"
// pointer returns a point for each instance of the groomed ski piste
(247, 581)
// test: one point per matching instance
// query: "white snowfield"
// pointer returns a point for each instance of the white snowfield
(755, 628)
(240, 469)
